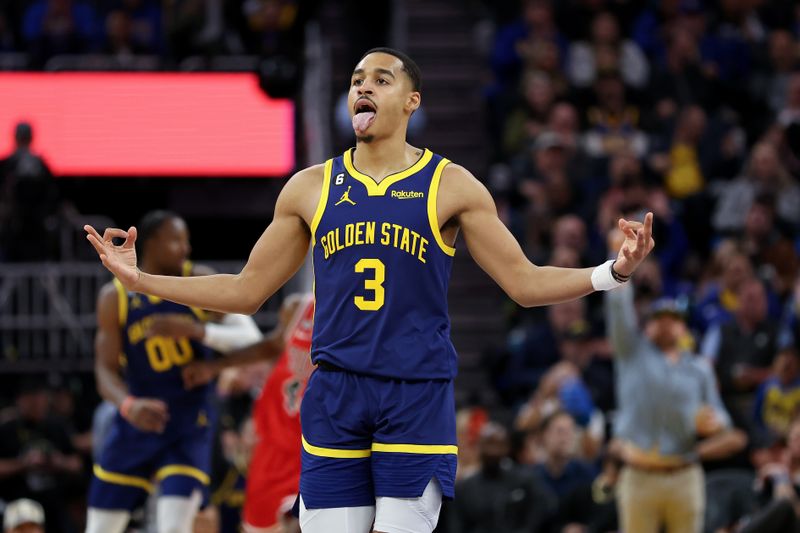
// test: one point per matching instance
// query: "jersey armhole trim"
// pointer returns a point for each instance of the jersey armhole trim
(122, 302)
(433, 216)
(323, 200)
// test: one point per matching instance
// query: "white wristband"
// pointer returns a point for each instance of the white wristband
(602, 280)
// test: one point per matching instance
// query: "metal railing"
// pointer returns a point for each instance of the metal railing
(47, 314)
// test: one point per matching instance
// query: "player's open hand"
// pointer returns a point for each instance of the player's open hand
(148, 414)
(637, 244)
(119, 259)
(198, 373)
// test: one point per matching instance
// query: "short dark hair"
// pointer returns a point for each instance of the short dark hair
(410, 68)
(149, 226)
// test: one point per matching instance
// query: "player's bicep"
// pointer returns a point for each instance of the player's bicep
(490, 243)
(281, 249)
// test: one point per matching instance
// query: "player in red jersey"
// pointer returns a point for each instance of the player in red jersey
(274, 473)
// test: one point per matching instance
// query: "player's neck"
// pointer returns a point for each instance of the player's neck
(380, 158)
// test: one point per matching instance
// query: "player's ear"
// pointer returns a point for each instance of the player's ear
(413, 102)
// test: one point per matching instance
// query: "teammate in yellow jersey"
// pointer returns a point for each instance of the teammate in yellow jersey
(162, 433)
(378, 416)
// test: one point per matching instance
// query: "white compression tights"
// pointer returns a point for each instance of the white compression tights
(106, 521)
(393, 515)
(174, 514)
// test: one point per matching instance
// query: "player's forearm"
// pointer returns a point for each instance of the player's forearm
(225, 293)
(110, 384)
(268, 349)
(546, 285)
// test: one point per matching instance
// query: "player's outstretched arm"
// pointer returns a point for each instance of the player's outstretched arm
(500, 255)
(276, 257)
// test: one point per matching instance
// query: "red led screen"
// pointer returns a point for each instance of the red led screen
(153, 124)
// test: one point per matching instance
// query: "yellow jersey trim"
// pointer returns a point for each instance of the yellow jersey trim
(379, 189)
(433, 216)
(122, 302)
(122, 479)
(187, 268)
(422, 449)
(335, 453)
(323, 200)
(182, 470)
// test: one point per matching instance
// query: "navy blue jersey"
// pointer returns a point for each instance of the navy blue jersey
(152, 365)
(381, 272)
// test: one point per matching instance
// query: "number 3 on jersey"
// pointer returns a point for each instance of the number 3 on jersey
(374, 284)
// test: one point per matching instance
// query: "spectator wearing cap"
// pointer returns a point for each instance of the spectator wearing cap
(670, 416)
(23, 516)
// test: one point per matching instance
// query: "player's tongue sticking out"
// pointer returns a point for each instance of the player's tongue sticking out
(362, 121)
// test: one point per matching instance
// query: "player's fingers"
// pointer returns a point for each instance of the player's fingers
(111, 233)
(95, 242)
(628, 255)
(91, 231)
(130, 241)
(641, 243)
(648, 223)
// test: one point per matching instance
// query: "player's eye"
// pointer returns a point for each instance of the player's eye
(382, 81)
(358, 81)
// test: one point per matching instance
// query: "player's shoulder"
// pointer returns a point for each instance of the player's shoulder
(109, 301)
(309, 177)
(302, 192)
(459, 185)
(109, 291)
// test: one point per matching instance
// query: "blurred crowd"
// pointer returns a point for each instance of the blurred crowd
(606, 109)
(173, 29)
(596, 109)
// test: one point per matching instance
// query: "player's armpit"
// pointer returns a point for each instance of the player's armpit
(496, 250)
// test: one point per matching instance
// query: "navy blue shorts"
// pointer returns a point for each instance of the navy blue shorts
(133, 462)
(366, 436)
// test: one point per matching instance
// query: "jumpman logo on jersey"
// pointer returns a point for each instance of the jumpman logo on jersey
(346, 197)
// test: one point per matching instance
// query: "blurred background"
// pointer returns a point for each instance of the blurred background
(572, 113)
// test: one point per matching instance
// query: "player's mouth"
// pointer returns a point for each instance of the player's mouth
(364, 114)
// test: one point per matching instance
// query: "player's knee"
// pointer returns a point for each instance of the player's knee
(106, 521)
(400, 515)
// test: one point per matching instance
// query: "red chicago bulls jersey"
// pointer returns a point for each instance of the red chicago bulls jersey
(277, 410)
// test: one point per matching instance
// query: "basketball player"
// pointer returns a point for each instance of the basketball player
(378, 416)
(161, 431)
(274, 473)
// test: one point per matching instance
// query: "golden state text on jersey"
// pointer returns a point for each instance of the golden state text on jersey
(381, 272)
